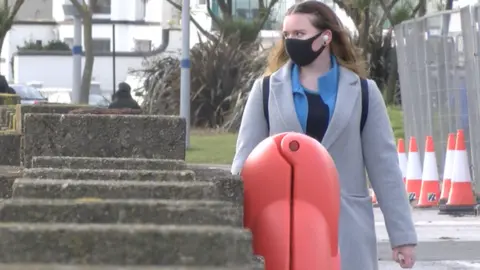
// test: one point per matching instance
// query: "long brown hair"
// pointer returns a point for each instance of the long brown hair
(347, 54)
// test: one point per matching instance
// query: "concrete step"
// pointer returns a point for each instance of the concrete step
(106, 267)
(90, 174)
(124, 244)
(74, 189)
(107, 163)
(92, 210)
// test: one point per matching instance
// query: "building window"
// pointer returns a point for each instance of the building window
(101, 45)
(202, 2)
(143, 45)
(102, 7)
(248, 10)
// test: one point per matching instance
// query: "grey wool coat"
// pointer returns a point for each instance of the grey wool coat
(352, 153)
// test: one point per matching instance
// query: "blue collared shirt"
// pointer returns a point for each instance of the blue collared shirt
(327, 89)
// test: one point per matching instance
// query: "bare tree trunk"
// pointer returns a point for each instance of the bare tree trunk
(7, 15)
(2, 40)
(87, 17)
(392, 78)
(89, 59)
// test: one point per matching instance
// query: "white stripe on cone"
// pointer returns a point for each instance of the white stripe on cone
(414, 170)
(461, 173)
(430, 172)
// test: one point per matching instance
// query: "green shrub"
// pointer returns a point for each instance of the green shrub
(396, 118)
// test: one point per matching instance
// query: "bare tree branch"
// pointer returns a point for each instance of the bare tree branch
(265, 13)
(353, 12)
(80, 6)
(212, 14)
(417, 9)
(16, 7)
(199, 27)
(387, 12)
(7, 17)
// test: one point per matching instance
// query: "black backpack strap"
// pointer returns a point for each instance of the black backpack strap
(266, 94)
(365, 99)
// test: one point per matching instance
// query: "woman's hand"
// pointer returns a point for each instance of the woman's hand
(404, 256)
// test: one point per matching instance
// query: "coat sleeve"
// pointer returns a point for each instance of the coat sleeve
(253, 128)
(381, 161)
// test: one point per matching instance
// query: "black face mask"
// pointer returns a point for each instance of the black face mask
(300, 50)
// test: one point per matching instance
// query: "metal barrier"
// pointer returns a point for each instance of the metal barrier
(439, 77)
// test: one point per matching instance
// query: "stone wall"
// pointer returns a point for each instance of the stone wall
(4, 109)
(23, 109)
(140, 136)
(9, 148)
(9, 99)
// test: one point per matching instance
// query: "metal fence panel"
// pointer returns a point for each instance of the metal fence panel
(438, 70)
(433, 83)
(470, 19)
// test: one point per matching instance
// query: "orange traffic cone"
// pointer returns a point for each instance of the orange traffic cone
(461, 198)
(374, 197)
(402, 158)
(430, 191)
(414, 171)
(447, 172)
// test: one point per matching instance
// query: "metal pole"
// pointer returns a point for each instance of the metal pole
(185, 69)
(77, 59)
(114, 56)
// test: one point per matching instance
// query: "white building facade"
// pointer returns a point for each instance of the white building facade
(138, 29)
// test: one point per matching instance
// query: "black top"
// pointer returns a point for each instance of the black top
(318, 116)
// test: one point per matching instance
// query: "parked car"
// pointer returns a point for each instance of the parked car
(66, 97)
(28, 94)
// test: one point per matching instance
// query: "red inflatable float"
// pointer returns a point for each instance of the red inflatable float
(292, 203)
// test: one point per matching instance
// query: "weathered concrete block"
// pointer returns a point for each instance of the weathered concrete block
(106, 111)
(9, 99)
(3, 113)
(23, 109)
(100, 211)
(10, 148)
(231, 186)
(107, 163)
(10, 119)
(88, 174)
(208, 172)
(8, 174)
(74, 189)
(125, 244)
(139, 136)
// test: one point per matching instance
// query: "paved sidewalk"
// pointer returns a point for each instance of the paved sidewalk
(440, 237)
(445, 242)
(437, 265)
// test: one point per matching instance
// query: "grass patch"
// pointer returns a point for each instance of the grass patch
(396, 118)
(211, 147)
(215, 147)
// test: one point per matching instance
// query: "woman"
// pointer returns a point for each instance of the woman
(315, 88)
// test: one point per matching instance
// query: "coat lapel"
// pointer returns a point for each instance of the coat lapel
(347, 96)
(281, 91)
(284, 106)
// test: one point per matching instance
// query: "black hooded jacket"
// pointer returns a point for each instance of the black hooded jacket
(4, 87)
(122, 99)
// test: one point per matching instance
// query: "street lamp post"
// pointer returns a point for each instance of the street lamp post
(185, 69)
(77, 50)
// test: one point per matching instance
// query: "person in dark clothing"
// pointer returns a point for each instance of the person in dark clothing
(4, 87)
(122, 99)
